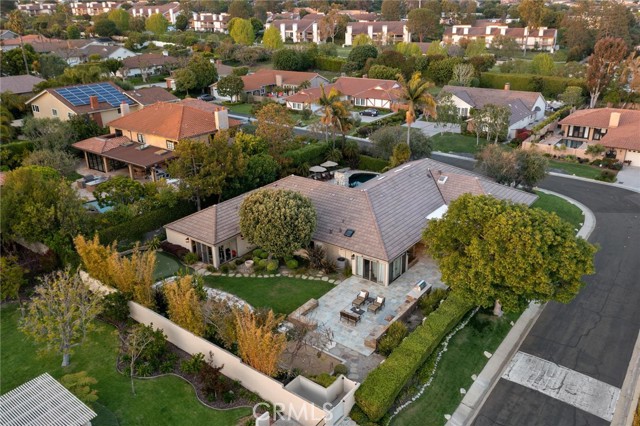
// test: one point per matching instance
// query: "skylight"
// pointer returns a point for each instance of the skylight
(349, 233)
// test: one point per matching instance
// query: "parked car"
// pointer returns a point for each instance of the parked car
(206, 97)
(370, 112)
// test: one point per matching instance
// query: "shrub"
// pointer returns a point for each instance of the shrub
(431, 301)
(313, 153)
(224, 269)
(607, 176)
(211, 268)
(551, 86)
(372, 164)
(340, 369)
(190, 258)
(239, 262)
(193, 365)
(115, 307)
(229, 397)
(394, 335)
(292, 264)
(12, 154)
(316, 256)
(232, 266)
(324, 379)
(347, 272)
(328, 63)
(379, 390)
(272, 266)
(329, 266)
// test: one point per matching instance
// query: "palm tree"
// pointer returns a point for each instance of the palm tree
(330, 104)
(16, 23)
(415, 93)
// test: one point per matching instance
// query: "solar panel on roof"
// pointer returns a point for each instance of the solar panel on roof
(79, 95)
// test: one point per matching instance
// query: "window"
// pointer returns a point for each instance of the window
(118, 132)
(70, 114)
(463, 112)
(360, 101)
(141, 138)
(35, 108)
(171, 145)
(54, 112)
(598, 133)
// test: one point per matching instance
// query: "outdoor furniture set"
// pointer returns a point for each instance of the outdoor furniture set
(353, 315)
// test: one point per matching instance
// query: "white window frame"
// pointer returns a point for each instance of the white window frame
(141, 138)
(359, 101)
(54, 112)
(171, 145)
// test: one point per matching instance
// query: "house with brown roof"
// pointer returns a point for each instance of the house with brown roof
(381, 32)
(169, 10)
(19, 84)
(298, 30)
(146, 96)
(148, 64)
(143, 139)
(363, 92)
(542, 38)
(209, 22)
(262, 81)
(35, 9)
(526, 107)
(93, 8)
(618, 130)
(375, 226)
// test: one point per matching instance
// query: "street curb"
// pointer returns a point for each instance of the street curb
(481, 388)
(630, 391)
(459, 157)
(615, 185)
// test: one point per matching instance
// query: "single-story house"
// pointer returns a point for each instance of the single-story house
(376, 226)
(150, 95)
(104, 52)
(526, 107)
(8, 35)
(19, 84)
(147, 64)
(363, 92)
(383, 32)
(260, 82)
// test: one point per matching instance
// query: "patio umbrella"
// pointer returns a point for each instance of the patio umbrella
(317, 169)
(329, 164)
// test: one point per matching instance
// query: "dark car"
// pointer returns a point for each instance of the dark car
(370, 112)
(206, 97)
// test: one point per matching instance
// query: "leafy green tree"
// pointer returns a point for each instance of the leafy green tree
(504, 46)
(275, 125)
(231, 86)
(531, 168)
(13, 61)
(279, 221)
(401, 154)
(73, 32)
(80, 384)
(11, 277)
(386, 138)
(204, 71)
(17, 22)
(604, 66)
(392, 10)
(182, 22)
(287, 60)
(261, 170)
(475, 48)
(441, 72)
(383, 72)
(242, 32)
(119, 190)
(121, 18)
(257, 25)
(360, 54)
(7, 131)
(48, 133)
(489, 250)
(83, 127)
(532, 12)
(496, 123)
(185, 80)
(105, 27)
(157, 24)
(447, 111)
(272, 38)
(112, 65)
(251, 145)
(408, 49)
(61, 313)
(51, 65)
(240, 9)
(415, 94)
(62, 161)
(543, 64)
(361, 40)
(424, 23)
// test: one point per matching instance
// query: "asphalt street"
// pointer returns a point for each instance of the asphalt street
(596, 332)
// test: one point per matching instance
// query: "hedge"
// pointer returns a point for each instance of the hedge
(328, 63)
(372, 164)
(134, 229)
(558, 115)
(382, 386)
(311, 154)
(12, 154)
(551, 86)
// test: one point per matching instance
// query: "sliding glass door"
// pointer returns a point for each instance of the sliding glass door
(369, 269)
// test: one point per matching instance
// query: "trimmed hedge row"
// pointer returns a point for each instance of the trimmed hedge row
(550, 86)
(372, 164)
(558, 115)
(382, 386)
(134, 229)
(329, 63)
(311, 154)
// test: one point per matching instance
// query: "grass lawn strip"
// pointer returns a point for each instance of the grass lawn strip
(282, 294)
(457, 143)
(561, 207)
(462, 358)
(162, 401)
(582, 170)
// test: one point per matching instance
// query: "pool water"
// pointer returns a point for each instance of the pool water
(94, 206)
(358, 179)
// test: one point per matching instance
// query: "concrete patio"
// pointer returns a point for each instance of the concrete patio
(340, 298)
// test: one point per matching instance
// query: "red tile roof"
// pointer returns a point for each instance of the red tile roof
(367, 88)
(626, 135)
(123, 149)
(151, 95)
(264, 78)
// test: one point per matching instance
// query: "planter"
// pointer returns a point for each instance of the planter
(248, 263)
(340, 263)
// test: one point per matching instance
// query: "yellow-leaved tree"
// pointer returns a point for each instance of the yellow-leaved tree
(134, 274)
(184, 307)
(259, 343)
(95, 258)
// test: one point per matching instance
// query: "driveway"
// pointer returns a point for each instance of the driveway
(432, 129)
(366, 119)
(629, 175)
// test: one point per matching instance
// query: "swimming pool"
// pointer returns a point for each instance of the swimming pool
(358, 179)
(94, 206)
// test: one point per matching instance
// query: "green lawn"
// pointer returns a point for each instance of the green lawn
(457, 143)
(464, 357)
(242, 108)
(582, 170)
(163, 401)
(282, 294)
(343, 52)
(561, 207)
(167, 266)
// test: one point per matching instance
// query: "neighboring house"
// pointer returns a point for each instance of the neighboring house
(377, 226)
(147, 64)
(8, 35)
(101, 101)
(19, 84)
(526, 107)
(93, 8)
(43, 401)
(13, 43)
(104, 52)
(618, 130)
(259, 83)
(298, 30)
(542, 38)
(360, 15)
(222, 69)
(382, 32)
(35, 9)
(145, 138)
(150, 95)
(363, 92)
(210, 22)
(169, 10)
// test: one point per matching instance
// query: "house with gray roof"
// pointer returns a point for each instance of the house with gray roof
(376, 226)
(526, 107)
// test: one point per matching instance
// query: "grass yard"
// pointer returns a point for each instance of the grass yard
(582, 170)
(561, 207)
(167, 266)
(457, 143)
(343, 51)
(163, 401)
(242, 108)
(464, 357)
(282, 294)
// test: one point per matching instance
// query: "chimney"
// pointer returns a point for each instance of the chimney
(279, 80)
(614, 120)
(221, 118)
(93, 101)
(507, 86)
(124, 109)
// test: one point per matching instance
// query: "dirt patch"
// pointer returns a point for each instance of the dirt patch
(308, 361)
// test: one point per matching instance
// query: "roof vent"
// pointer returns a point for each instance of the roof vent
(442, 179)
(349, 233)
(161, 152)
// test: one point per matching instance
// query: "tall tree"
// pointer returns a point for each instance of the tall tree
(532, 12)
(332, 107)
(392, 10)
(240, 9)
(105, 27)
(157, 24)
(328, 25)
(138, 341)
(16, 22)
(280, 221)
(231, 86)
(604, 66)
(275, 125)
(543, 64)
(572, 95)
(504, 46)
(13, 61)
(463, 75)
(134, 274)
(61, 313)
(272, 38)
(184, 305)
(490, 250)
(121, 18)
(205, 72)
(415, 93)
(259, 344)
(242, 32)
(424, 23)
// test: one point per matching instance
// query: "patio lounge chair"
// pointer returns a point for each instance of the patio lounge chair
(376, 305)
(360, 299)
